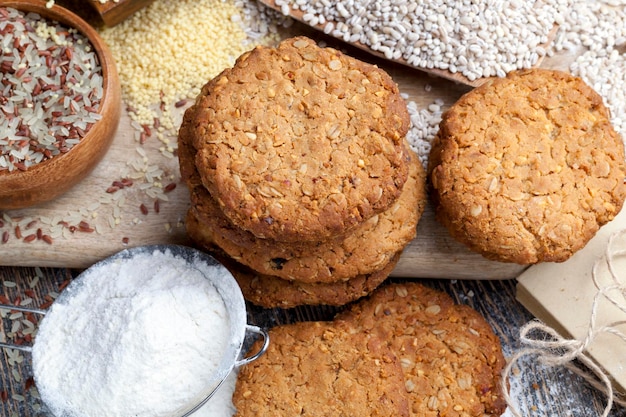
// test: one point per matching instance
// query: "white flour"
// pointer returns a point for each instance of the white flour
(221, 403)
(140, 338)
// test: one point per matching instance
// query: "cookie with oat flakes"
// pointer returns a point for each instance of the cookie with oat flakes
(364, 251)
(321, 369)
(299, 142)
(270, 291)
(527, 168)
(451, 359)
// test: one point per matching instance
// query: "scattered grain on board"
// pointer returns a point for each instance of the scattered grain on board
(424, 126)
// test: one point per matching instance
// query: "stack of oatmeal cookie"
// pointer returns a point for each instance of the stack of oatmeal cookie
(301, 180)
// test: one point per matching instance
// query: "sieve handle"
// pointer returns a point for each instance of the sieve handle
(25, 310)
(266, 342)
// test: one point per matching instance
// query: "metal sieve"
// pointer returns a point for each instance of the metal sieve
(227, 288)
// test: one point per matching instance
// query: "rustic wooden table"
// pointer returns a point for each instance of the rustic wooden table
(537, 391)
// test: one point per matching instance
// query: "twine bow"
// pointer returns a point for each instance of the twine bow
(552, 349)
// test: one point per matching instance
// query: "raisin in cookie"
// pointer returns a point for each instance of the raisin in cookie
(451, 359)
(527, 168)
(321, 369)
(300, 142)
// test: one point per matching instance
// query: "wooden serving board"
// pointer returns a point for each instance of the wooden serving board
(433, 254)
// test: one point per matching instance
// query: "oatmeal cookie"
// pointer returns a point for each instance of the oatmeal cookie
(527, 168)
(186, 152)
(451, 359)
(321, 369)
(364, 250)
(301, 143)
(270, 291)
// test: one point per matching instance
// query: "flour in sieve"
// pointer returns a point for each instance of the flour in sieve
(141, 337)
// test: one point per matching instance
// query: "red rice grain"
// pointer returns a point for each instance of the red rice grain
(29, 383)
(45, 305)
(83, 226)
(64, 284)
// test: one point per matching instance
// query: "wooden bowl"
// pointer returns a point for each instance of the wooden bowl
(50, 178)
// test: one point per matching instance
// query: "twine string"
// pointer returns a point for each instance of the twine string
(552, 349)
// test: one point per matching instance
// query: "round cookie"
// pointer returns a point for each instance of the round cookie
(527, 168)
(364, 250)
(451, 359)
(301, 143)
(321, 369)
(269, 291)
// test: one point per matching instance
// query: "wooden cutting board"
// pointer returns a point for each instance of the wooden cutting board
(433, 254)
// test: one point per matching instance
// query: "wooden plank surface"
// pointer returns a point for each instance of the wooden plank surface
(432, 254)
